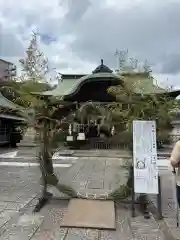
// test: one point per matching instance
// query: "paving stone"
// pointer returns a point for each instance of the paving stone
(79, 185)
(176, 233)
(12, 205)
(23, 229)
(120, 178)
(170, 222)
(53, 234)
(86, 172)
(100, 165)
(7, 214)
(108, 235)
(70, 174)
(3, 221)
(146, 229)
(95, 184)
(109, 174)
(9, 197)
(53, 214)
(123, 228)
(82, 234)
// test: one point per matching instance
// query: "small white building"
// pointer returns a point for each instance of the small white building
(7, 70)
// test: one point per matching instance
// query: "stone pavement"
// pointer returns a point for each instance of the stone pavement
(18, 185)
(46, 225)
(126, 227)
(86, 175)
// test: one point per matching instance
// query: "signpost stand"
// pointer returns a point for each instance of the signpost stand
(133, 194)
(159, 205)
(144, 161)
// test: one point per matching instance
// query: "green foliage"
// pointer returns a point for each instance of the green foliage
(20, 91)
(44, 118)
(120, 193)
(59, 138)
(52, 179)
(66, 190)
(35, 67)
(34, 77)
(132, 106)
(138, 105)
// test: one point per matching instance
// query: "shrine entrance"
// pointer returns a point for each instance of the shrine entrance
(96, 177)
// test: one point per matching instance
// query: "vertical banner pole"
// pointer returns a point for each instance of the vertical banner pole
(175, 197)
(133, 194)
(159, 202)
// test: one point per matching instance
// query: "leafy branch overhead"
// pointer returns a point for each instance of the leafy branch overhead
(138, 98)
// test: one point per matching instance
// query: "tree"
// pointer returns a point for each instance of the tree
(133, 103)
(46, 118)
(34, 76)
(35, 67)
(140, 106)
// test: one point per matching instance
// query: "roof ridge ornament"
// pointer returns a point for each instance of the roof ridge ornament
(102, 68)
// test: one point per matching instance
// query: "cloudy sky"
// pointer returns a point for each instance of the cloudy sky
(76, 34)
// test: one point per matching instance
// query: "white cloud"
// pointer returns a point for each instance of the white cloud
(18, 19)
(122, 4)
(80, 29)
(167, 80)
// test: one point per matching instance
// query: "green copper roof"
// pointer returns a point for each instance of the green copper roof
(5, 103)
(62, 89)
(71, 86)
(142, 81)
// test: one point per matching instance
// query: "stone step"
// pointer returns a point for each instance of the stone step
(102, 153)
(26, 144)
(107, 153)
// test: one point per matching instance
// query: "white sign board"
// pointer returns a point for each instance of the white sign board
(69, 138)
(81, 136)
(145, 157)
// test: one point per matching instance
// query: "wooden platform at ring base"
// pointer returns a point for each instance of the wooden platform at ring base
(96, 214)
